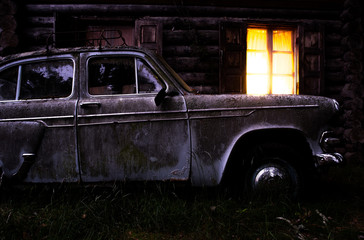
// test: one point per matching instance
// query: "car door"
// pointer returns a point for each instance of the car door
(37, 119)
(122, 133)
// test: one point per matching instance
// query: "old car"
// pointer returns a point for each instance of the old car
(122, 114)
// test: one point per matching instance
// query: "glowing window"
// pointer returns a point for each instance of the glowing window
(270, 62)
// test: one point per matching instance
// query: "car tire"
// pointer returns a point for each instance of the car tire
(272, 173)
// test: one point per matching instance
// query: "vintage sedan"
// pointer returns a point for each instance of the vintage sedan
(122, 114)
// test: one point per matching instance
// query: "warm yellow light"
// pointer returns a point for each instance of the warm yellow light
(282, 40)
(257, 39)
(257, 84)
(257, 62)
(270, 70)
(282, 63)
(257, 80)
(282, 85)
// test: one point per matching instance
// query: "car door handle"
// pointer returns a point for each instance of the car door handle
(90, 104)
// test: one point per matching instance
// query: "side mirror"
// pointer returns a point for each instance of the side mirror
(160, 96)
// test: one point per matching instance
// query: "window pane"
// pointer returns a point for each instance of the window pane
(282, 40)
(147, 80)
(257, 81)
(109, 76)
(8, 80)
(282, 63)
(50, 79)
(282, 85)
(257, 39)
(257, 62)
(257, 84)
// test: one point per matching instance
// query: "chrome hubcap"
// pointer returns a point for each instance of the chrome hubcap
(271, 178)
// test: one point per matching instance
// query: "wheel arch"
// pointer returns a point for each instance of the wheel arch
(240, 158)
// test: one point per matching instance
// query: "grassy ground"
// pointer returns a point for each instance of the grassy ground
(163, 211)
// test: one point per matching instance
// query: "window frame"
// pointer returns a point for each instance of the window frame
(270, 28)
(232, 76)
(20, 63)
(134, 57)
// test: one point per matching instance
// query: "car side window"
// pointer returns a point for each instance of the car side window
(109, 76)
(51, 79)
(8, 82)
(148, 81)
(121, 75)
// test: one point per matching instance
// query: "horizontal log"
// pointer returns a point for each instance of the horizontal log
(333, 26)
(334, 52)
(334, 65)
(206, 89)
(36, 38)
(200, 78)
(193, 64)
(333, 38)
(38, 32)
(182, 37)
(334, 77)
(177, 23)
(40, 21)
(185, 51)
(334, 90)
(174, 10)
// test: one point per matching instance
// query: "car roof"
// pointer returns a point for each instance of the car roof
(59, 51)
(77, 50)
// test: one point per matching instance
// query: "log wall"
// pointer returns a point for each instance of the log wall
(191, 34)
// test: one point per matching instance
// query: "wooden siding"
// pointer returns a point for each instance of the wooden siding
(334, 65)
(36, 29)
(191, 43)
(191, 48)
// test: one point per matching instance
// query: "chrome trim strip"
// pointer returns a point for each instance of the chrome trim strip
(39, 120)
(195, 111)
(36, 118)
(223, 116)
(132, 121)
(130, 114)
(254, 108)
(59, 126)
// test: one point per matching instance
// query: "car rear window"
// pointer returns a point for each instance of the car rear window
(51, 79)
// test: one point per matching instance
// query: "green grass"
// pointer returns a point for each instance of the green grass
(162, 211)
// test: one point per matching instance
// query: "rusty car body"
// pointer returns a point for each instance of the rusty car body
(100, 115)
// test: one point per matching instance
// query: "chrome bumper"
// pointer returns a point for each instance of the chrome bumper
(326, 159)
(328, 141)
